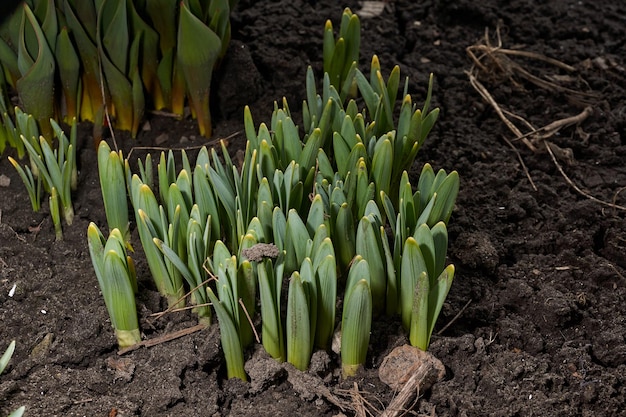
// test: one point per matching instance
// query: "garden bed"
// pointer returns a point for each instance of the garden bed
(535, 320)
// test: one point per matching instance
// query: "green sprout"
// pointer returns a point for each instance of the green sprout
(419, 251)
(310, 308)
(9, 134)
(53, 170)
(356, 319)
(113, 186)
(330, 209)
(423, 287)
(152, 222)
(233, 305)
(341, 55)
(4, 361)
(116, 276)
(300, 322)
(270, 276)
(198, 238)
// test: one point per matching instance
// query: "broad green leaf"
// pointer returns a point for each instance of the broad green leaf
(298, 324)
(345, 236)
(382, 166)
(328, 45)
(113, 186)
(437, 296)
(368, 246)
(246, 283)
(355, 327)
(326, 278)
(82, 25)
(270, 285)
(36, 87)
(424, 239)
(447, 193)
(418, 334)
(296, 237)
(231, 343)
(121, 296)
(316, 216)
(198, 50)
(413, 266)
(440, 241)
(69, 73)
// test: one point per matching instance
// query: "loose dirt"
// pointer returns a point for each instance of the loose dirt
(535, 320)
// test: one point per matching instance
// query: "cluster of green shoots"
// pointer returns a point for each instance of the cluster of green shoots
(4, 361)
(51, 169)
(311, 210)
(71, 59)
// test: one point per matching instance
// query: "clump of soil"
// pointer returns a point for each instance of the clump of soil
(534, 323)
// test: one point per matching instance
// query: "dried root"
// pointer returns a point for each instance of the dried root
(497, 64)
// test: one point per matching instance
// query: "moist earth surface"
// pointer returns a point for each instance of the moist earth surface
(535, 321)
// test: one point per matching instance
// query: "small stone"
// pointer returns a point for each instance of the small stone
(320, 362)
(123, 368)
(42, 348)
(4, 181)
(370, 9)
(404, 361)
(146, 127)
(162, 138)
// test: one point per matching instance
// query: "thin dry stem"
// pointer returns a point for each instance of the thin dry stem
(480, 88)
(455, 318)
(521, 161)
(212, 142)
(245, 310)
(173, 309)
(357, 401)
(423, 376)
(495, 60)
(358, 396)
(162, 339)
(575, 187)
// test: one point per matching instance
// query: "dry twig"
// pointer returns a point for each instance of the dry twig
(574, 186)
(495, 62)
(455, 318)
(212, 142)
(357, 401)
(162, 339)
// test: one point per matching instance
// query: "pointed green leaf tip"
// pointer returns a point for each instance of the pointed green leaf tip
(36, 87)
(113, 185)
(6, 357)
(115, 274)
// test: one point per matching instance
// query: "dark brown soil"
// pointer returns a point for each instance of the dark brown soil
(543, 270)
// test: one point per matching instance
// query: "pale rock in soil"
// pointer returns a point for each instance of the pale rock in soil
(404, 361)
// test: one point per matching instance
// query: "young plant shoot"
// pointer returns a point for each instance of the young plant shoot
(116, 276)
(113, 185)
(334, 206)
